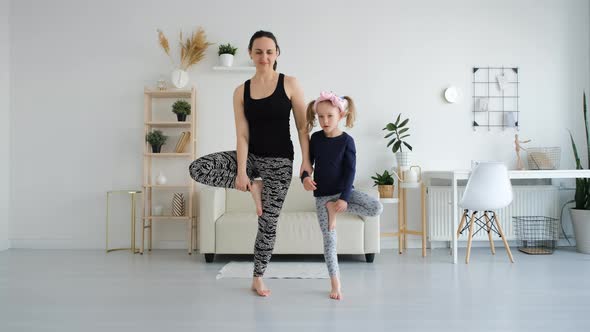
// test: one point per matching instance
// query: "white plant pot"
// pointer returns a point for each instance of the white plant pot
(226, 60)
(179, 78)
(581, 223)
(404, 159)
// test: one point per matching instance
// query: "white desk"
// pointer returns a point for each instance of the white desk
(456, 175)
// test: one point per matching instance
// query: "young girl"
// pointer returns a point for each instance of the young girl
(333, 155)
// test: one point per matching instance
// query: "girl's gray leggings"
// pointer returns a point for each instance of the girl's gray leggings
(360, 204)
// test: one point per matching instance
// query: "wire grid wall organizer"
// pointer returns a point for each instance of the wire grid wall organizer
(495, 97)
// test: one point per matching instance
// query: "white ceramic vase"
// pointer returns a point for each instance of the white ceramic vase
(179, 78)
(178, 205)
(158, 210)
(161, 179)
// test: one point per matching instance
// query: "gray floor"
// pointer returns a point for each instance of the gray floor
(167, 290)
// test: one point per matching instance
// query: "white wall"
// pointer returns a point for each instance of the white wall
(4, 121)
(79, 70)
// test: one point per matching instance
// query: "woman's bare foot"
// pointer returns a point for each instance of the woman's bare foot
(335, 293)
(259, 288)
(331, 215)
(256, 191)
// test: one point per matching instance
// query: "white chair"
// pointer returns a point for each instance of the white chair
(488, 189)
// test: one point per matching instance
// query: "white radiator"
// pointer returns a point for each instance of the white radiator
(528, 201)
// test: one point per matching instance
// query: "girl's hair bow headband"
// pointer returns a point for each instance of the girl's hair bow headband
(337, 101)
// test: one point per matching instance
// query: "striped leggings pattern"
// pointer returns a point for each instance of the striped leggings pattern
(220, 170)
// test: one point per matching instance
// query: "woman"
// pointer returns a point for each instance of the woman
(263, 160)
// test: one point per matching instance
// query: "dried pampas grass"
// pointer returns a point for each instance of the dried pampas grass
(192, 50)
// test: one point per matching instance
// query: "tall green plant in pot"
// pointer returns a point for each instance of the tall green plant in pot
(398, 142)
(581, 212)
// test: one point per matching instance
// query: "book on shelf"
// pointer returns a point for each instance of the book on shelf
(183, 142)
(180, 138)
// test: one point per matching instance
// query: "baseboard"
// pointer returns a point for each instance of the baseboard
(392, 243)
(70, 244)
(60, 243)
(497, 244)
(4, 245)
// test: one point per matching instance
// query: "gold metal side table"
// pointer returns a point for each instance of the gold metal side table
(133, 194)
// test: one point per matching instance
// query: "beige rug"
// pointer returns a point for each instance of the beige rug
(276, 270)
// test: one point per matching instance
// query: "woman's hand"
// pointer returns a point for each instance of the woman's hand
(309, 184)
(305, 166)
(243, 182)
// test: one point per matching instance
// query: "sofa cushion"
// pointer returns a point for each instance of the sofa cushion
(297, 233)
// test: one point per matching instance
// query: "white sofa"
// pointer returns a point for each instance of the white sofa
(228, 225)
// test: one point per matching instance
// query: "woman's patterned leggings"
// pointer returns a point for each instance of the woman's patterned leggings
(220, 170)
(360, 204)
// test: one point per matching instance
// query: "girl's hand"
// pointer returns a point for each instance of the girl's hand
(305, 166)
(243, 182)
(309, 184)
(341, 205)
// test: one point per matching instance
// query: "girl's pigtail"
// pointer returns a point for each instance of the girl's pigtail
(310, 117)
(351, 112)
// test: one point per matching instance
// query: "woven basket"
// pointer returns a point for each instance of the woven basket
(385, 191)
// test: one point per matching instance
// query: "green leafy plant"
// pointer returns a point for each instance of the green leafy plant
(383, 179)
(156, 138)
(227, 49)
(399, 129)
(582, 196)
(181, 107)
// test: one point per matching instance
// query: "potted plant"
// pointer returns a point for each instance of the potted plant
(397, 143)
(156, 140)
(226, 54)
(181, 108)
(384, 183)
(581, 212)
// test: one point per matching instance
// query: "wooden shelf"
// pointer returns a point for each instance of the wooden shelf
(235, 68)
(168, 124)
(168, 93)
(154, 113)
(168, 154)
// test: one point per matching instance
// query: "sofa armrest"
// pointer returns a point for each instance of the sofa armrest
(211, 207)
(372, 227)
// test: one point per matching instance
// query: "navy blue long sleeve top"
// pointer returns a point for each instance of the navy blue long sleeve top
(334, 161)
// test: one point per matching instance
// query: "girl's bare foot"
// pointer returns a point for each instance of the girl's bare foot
(256, 191)
(259, 288)
(331, 215)
(335, 293)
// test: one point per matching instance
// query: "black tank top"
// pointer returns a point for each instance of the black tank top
(268, 122)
